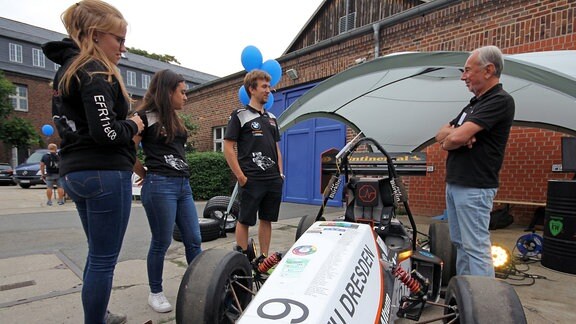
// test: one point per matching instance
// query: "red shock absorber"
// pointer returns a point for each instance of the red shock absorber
(407, 279)
(269, 262)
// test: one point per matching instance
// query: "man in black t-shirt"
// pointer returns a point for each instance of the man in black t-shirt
(258, 163)
(476, 141)
(49, 168)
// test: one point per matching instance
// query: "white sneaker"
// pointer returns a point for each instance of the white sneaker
(159, 303)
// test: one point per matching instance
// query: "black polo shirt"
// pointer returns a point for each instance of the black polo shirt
(480, 165)
(167, 159)
(256, 135)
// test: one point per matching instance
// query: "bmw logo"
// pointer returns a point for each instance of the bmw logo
(255, 125)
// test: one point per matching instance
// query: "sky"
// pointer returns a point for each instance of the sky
(207, 36)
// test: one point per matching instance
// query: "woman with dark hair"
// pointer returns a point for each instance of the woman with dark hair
(166, 193)
(90, 108)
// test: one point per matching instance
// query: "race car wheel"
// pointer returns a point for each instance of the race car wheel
(305, 223)
(216, 288)
(216, 208)
(209, 230)
(176, 235)
(476, 299)
(442, 247)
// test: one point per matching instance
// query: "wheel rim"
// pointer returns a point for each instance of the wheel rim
(230, 220)
(451, 312)
(235, 297)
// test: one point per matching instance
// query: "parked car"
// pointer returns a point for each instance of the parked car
(6, 174)
(28, 173)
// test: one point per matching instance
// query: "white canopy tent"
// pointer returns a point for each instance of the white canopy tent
(401, 100)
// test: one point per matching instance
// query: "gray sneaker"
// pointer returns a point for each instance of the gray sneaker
(112, 318)
(49, 203)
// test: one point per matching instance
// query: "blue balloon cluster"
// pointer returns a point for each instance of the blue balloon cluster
(252, 59)
(47, 130)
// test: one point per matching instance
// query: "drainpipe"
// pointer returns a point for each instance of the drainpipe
(376, 28)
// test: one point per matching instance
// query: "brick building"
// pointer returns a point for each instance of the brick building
(342, 33)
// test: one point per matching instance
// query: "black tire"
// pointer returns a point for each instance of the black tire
(305, 223)
(216, 208)
(209, 230)
(442, 247)
(206, 292)
(478, 300)
(25, 185)
(176, 235)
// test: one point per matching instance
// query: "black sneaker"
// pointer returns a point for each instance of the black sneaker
(248, 253)
(112, 318)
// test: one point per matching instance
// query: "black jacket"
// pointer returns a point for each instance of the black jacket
(91, 118)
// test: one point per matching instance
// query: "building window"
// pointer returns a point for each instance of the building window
(20, 98)
(145, 81)
(219, 138)
(131, 78)
(38, 58)
(15, 53)
(347, 22)
(56, 66)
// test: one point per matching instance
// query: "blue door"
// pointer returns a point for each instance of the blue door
(301, 147)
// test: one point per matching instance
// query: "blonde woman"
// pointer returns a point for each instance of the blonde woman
(90, 108)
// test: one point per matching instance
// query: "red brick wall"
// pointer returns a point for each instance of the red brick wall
(39, 108)
(516, 26)
(527, 167)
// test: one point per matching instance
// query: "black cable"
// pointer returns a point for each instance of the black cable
(513, 273)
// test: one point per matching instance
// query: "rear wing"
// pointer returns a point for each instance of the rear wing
(372, 164)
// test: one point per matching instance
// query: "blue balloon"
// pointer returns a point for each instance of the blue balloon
(274, 69)
(243, 95)
(47, 130)
(270, 102)
(251, 58)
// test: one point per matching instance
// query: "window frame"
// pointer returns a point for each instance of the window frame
(131, 78)
(16, 53)
(16, 99)
(218, 142)
(145, 80)
(38, 58)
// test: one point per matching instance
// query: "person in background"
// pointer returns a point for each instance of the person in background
(476, 141)
(50, 174)
(258, 163)
(166, 193)
(90, 108)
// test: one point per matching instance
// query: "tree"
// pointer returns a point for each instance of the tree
(6, 89)
(19, 132)
(14, 131)
(158, 57)
(192, 129)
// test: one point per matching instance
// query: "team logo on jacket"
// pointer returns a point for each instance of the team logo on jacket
(255, 125)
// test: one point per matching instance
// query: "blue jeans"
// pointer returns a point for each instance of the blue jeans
(103, 200)
(469, 217)
(169, 200)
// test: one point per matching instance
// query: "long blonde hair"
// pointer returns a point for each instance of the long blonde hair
(82, 20)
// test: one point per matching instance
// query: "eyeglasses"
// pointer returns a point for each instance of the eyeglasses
(119, 39)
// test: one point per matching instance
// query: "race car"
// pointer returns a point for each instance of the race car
(365, 267)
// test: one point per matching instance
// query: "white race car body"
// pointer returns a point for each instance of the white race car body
(332, 274)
